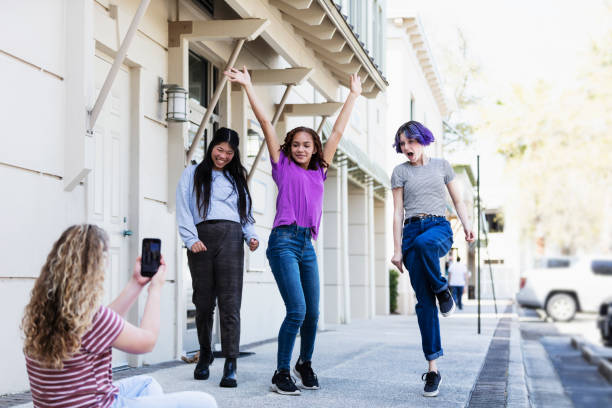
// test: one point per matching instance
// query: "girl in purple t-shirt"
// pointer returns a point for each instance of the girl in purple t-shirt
(299, 168)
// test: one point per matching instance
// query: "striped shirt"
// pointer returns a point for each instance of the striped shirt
(424, 186)
(86, 379)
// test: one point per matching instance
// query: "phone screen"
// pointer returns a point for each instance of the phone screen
(151, 255)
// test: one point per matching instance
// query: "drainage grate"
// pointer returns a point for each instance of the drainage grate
(490, 387)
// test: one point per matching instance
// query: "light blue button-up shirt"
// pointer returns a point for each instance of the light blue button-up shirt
(223, 206)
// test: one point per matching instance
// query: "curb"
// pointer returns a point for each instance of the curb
(517, 395)
(605, 369)
(603, 363)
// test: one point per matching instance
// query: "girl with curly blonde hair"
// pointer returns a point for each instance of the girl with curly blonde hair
(69, 335)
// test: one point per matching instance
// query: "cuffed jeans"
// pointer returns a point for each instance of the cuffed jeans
(423, 243)
(217, 274)
(294, 265)
(144, 392)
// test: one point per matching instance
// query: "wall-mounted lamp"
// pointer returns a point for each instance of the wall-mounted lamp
(176, 109)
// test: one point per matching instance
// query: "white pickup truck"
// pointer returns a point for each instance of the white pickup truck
(563, 286)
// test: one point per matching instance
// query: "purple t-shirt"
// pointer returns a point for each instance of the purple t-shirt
(300, 194)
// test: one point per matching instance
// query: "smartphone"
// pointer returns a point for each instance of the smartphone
(151, 255)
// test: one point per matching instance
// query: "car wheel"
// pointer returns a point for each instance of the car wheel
(561, 307)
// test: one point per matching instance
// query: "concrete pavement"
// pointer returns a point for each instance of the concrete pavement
(369, 363)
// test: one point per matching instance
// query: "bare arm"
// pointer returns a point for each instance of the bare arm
(137, 340)
(398, 218)
(453, 190)
(243, 78)
(128, 295)
(338, 130)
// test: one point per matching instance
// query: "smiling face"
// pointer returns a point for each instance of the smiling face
(221, 155)
(302, 148)
(412, 149)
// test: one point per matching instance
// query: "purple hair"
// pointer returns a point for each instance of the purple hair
(413, 130)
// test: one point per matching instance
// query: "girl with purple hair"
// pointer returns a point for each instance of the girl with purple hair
(420, 206)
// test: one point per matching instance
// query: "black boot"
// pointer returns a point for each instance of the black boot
(201, 371)
(229, 374)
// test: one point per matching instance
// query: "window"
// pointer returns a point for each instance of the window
(601, 266)
(367, 19)
(552, 263)
(495, 222)
(203, 79)
(208, 5)
(254, 138)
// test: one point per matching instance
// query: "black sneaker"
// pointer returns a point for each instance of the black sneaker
(432, 383)
(284, 384)
(303, 371)
(447, 304)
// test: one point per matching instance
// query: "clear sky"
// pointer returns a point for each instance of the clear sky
(517, 41)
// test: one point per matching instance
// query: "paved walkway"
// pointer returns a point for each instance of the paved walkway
(370, 363)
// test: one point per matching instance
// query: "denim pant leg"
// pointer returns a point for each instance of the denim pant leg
(423, 244)
(454, 291)
(309, 273)
(459, 295)
(283, 255)
(144, 392)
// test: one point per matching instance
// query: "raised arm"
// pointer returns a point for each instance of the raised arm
(398, 218)
(453, 190)
(137, 340)
(243, 78)
(332, 143)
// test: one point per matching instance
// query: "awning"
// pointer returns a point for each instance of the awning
(326, 34)
(418, 40)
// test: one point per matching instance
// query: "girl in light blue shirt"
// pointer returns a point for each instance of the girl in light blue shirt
(213, 211)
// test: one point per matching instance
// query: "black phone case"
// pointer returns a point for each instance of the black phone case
(151, 254)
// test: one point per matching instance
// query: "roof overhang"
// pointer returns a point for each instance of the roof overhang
(324, 37)
(414, 28)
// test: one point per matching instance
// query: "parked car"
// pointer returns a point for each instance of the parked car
(604, 321)
(564, 286)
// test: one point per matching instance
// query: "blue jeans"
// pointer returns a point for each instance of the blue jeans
(423, 243)
(143, 391)
(294, 265)
(457, 295)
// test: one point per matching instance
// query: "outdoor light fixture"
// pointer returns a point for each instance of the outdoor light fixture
(176, 108)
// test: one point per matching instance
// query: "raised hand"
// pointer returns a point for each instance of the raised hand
(355, 84)
(240, 77)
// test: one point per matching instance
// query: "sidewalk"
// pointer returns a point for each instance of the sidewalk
(369, 363)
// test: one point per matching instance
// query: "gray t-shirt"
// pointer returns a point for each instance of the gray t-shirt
(424, 186)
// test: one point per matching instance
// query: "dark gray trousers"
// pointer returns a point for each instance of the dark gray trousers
(217, 274)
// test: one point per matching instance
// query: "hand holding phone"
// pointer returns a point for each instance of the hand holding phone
(151, 256)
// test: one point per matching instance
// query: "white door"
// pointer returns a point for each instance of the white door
(107, 185)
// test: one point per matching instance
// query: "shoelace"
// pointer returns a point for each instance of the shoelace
(429, 378)
(310, 375)
(286, 378)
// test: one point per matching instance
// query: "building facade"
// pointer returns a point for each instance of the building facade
(121, 171)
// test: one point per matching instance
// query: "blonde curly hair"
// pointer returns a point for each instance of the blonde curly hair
(65, 296)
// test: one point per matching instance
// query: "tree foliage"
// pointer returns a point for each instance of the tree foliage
(558, 148)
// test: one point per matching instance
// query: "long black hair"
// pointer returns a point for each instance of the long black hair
(234, 171)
